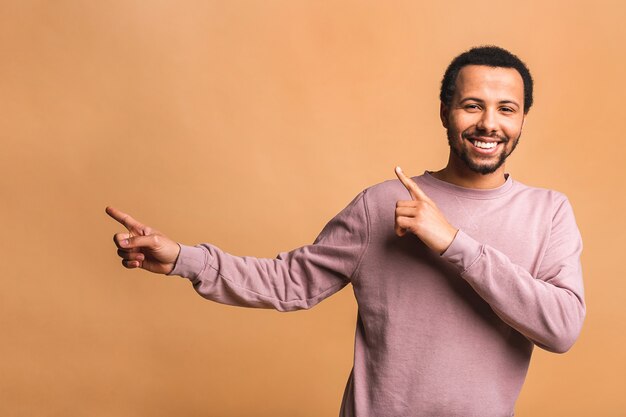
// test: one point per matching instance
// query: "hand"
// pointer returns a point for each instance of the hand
(422, 217)
(143, 247)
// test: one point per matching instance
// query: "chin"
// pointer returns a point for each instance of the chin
(481, 166)
(485, 167)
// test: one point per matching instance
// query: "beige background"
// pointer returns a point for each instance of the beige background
(249, 124)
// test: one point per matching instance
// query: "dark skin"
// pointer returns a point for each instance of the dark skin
(488, 107)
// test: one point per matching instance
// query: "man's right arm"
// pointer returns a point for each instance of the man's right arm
(294, 280)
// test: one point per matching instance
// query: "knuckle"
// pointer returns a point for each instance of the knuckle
(117, 239)
(124, 220)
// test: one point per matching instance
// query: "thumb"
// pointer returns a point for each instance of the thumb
(152, 242)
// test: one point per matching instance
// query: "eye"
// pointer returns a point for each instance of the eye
(507, 109)
(472, 107)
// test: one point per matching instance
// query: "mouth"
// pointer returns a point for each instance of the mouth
(484, 145)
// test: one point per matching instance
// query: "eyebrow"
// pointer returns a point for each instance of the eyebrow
(482, 101)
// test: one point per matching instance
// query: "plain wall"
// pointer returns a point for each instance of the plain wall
(249, 124)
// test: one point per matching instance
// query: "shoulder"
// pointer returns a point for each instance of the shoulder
(385, 192)
(541, 198)
(538, 192)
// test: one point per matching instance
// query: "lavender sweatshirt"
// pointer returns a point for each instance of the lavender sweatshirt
(448, 335)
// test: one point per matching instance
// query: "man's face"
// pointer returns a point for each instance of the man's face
(485, 117)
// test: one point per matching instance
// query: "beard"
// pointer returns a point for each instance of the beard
(478, 165)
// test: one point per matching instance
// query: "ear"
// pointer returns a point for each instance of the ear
(523, 122)
(443, 114)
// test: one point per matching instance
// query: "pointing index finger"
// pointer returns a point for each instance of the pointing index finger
(124, 219)
(415, 191)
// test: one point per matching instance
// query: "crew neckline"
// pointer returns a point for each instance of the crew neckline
(477, 193)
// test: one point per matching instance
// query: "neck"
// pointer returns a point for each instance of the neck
(457, 173)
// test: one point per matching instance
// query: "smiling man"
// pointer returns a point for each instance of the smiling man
(456, 280)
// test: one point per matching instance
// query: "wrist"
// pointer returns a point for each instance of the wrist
(176, 256)
(447, 240)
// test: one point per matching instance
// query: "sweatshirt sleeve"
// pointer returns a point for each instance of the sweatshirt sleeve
(294, 280)
(548, 309)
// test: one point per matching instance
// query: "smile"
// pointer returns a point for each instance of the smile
(484, 145)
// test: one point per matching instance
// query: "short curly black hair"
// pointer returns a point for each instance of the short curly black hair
(492, 56)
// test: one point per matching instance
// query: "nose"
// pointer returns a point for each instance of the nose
(487, 121)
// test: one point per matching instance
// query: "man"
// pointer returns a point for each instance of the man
(478, 269)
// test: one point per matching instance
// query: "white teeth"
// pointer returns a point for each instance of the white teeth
(485, 145)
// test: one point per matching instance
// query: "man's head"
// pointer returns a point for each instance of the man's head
(490, 56)
(485, 96)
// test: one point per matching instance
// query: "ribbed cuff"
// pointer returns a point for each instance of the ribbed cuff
(463, 251)
(191, 261)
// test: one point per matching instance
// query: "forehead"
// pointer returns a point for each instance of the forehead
(490, 83)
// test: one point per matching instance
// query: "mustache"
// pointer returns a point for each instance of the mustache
(493, 135)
